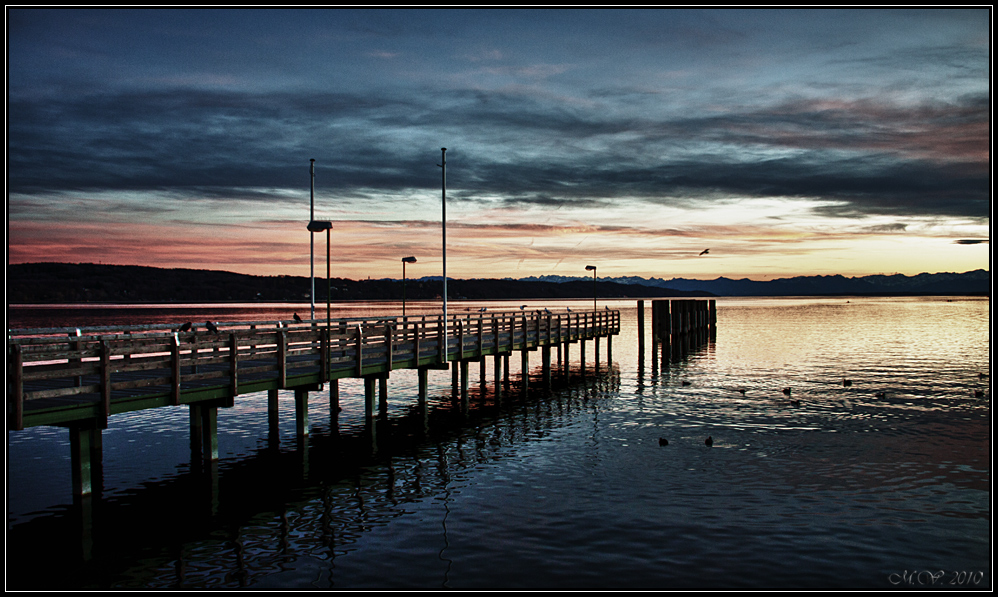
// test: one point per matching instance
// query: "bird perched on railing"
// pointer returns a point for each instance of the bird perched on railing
(211, 327)
(187, 326)
(297, 318)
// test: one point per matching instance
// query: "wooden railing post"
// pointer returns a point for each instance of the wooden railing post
(416, 333)
(460, 334)
(324, 356)
(105, 383)
(360, 350)
(441, 340)
(175, 369)
(233, 364)
(17, 381)
(282, 359)
(75, 347)
(389, 345)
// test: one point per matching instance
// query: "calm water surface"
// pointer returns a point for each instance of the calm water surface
(565, 489)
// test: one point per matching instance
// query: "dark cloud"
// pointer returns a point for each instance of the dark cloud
(868, 157)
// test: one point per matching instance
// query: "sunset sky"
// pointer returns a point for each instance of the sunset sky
(788, 142)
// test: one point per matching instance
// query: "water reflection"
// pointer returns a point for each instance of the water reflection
(571, 488)
(234, 523)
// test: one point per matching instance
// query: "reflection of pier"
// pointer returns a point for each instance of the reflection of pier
(211, 529)
(79, 378)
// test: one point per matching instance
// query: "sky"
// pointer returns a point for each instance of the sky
(787, 142)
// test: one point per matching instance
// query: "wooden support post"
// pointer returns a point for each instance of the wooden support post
(86, 455)
(464, 384)
(596, 353)
(546, 365)
(641, 331)
(497, 373)
(369, 383)
(209, 430)
(204, 432)
(609, 351)
(505, 368)
(334, 399)
(567, 371)
(481, 371)
(582, 356)
(524, 366)
(301, 412)
(423, 375)
(383, 395)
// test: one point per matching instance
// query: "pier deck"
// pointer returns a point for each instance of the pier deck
(68, 377)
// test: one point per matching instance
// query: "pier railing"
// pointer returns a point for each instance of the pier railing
(63, 375)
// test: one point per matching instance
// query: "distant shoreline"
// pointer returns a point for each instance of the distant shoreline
(96, 284)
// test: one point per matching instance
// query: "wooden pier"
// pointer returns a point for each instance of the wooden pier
(79, 378)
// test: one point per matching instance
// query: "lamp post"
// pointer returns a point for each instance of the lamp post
(313, 227)
(593, 269)
(405, 260)
(311, 218)
(443, 203)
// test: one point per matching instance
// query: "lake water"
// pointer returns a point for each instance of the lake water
(882, 484)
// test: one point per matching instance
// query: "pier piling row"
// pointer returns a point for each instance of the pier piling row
(671, 318)
(78, 378)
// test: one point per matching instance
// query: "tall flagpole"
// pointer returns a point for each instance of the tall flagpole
(443, 166)
(311, 218)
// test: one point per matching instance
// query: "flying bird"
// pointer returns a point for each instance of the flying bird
(704, 252)
(297, 318)
(522, 307)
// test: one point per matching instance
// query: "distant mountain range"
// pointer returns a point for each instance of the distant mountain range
(977, 282)
(49, 283)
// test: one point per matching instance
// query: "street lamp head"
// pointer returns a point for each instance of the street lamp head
(319, 225)
(590, 268)
(409, 259)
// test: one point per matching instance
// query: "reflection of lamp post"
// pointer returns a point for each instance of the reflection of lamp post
(313, 227)
(405, 260)
(593, 269)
